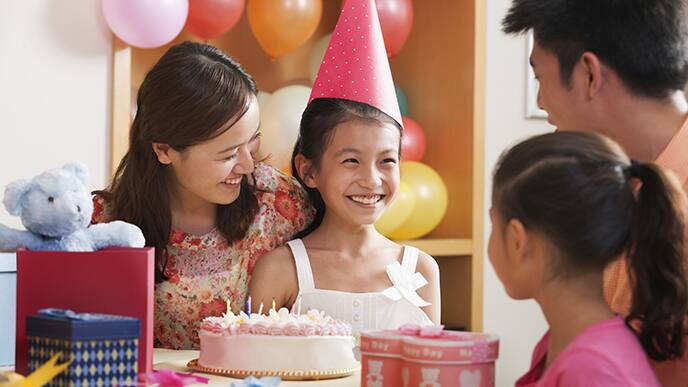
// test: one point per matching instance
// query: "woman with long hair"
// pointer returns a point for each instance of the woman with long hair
(190, 181)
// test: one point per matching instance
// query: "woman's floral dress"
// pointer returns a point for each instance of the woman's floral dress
(205, 271)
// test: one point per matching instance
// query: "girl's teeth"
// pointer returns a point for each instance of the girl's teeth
(366, 199)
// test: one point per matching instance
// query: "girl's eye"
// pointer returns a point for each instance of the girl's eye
(389, 161)
(350, 161)
(230, 157)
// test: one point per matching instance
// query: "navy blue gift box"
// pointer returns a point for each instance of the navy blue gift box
(103, 348)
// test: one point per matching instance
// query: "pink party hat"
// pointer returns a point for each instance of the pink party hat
(355, 65)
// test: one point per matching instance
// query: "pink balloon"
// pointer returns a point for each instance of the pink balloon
(146, 23)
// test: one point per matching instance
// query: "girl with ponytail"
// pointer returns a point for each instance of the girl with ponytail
(565, 205)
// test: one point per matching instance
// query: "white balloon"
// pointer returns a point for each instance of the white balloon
(280, 118)
(317, 54)
(263, 97)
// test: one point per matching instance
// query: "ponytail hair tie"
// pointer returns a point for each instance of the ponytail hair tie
(634, 168)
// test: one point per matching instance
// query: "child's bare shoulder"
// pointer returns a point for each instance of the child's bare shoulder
(274, 262)
(427, 265)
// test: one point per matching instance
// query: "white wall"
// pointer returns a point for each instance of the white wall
(54, 89)
(519, 324)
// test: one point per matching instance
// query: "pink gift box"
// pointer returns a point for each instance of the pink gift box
(428, 359)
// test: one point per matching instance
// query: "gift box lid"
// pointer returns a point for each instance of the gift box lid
(65, 324)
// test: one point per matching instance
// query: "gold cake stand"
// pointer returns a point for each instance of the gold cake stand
(284, 375)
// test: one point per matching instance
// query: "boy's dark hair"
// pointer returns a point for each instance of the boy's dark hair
(577, 190)
(645, 42)
(318, 123)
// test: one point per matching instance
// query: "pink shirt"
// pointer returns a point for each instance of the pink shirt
(605, 354)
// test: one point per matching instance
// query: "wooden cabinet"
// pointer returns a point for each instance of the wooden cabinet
(442, 70)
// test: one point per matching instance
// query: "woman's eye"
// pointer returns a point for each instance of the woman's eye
(390, 161)
(230, 157)
(350, 161)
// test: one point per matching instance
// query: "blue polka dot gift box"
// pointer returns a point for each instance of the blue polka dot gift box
(103, 348)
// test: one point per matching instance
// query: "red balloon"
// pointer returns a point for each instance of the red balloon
(396, 19)
(413, 142)
(211, 18)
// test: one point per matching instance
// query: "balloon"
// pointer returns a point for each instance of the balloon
(398, 211)
(396, 19)
(403, 101)
(211, 18)
(263, 97)
(317, 55)
(279, 121)
(431, 200)
(146, 23)
(413, 142)
(280, 26)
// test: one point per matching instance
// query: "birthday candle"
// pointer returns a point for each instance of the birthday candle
(248, 305)
(260, 308)
(273, 304)
(229, 306)
(298, 306)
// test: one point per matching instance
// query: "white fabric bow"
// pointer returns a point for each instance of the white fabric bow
(405, 285)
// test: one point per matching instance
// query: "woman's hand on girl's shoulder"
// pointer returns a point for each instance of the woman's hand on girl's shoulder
(427, 266)
(274, 278)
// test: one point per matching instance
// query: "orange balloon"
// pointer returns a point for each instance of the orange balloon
(280, 26)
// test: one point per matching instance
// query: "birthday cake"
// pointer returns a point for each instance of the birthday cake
(278, 343)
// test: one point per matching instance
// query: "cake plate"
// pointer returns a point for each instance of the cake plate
(284, 375)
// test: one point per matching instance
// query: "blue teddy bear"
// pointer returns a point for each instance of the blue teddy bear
(56, 208)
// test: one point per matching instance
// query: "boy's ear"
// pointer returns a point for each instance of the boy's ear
(593, 73)
(162, 152)
(304, 168)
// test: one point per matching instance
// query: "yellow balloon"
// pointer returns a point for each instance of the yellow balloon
(398, 211)
(281, 26)
(431, 200)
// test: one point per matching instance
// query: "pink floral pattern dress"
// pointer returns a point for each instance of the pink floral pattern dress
(205, 271)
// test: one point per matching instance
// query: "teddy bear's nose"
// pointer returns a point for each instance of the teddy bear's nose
(78, 209)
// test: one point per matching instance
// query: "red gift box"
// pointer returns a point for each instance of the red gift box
(427, 356)
(112, 281)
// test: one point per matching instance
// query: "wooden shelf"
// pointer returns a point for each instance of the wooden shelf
(443, 247)
(442, 70)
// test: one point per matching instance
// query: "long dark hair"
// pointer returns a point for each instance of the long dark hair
(318, 122)
(577, 189)
(190, 93)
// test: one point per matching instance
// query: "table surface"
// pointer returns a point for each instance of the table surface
(177, 360)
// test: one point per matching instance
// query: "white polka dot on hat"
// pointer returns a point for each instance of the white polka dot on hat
(356, 62)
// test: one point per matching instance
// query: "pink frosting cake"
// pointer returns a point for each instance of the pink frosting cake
(277, 342)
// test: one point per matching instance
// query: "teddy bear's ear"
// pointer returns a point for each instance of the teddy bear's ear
(14, 196)
(79, 170)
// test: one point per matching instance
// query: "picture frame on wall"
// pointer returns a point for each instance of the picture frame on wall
(532, 86)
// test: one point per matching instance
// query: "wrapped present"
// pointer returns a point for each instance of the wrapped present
(103, 348)
(427, 356)
(112, 281)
